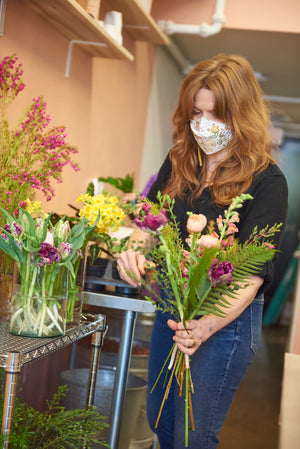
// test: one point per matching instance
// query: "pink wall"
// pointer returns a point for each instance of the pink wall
(119, 110)
(103, 103)
(43, 52)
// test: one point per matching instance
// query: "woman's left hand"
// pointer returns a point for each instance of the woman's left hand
(196, 332)
(188, 338)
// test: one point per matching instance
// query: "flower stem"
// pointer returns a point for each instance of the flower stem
(161, 371)
(186, 406)
(172, 279)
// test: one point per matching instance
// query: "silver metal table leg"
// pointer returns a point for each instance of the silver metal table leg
(97, 342)
(12, 369)
(121, 377)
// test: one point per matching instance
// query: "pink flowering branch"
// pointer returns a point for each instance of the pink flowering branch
(32, 156)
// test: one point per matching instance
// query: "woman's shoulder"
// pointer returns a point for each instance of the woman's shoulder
(272, 174)
(273, 170)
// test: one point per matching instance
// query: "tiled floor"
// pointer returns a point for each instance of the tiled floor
(253, 421)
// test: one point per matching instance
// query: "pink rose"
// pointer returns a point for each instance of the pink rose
(208, 241)
(196, 223)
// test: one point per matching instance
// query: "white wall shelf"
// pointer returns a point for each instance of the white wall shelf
(137, 22)
(76, 24)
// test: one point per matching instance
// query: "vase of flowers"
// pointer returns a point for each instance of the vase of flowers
(198, 277)
(38, 308)
(45, 256)
(31, 157)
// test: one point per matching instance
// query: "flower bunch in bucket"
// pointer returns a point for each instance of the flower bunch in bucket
(198, 276)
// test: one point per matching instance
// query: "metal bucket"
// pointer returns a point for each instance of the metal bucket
(142, 437)
(77, 379)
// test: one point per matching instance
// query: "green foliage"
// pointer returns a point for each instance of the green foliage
(55, 428)
(124, 184)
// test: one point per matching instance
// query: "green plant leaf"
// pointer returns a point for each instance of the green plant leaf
(124, 184)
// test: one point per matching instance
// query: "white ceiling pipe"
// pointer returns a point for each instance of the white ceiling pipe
(287, 125)
(203, 30)
(184, 65)
(280, 99)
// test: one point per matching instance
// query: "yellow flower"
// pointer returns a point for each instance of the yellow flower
(111, 215)
(82, 198)
(34, 208)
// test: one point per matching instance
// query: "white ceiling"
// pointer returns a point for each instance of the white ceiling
(276, 55)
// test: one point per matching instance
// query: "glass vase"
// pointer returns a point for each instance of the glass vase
(6, 283)
(5, 295)
(39, 302)
(75, 295)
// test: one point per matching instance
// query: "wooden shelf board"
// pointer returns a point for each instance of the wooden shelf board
(76, 24)
(137, 22)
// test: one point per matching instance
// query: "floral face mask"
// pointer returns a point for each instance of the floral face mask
(210, 135)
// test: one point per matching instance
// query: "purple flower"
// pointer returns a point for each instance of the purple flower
(17, 230)
(7, 228)
(148, 186)
(48, 254)
(4, 236)
(220, 273)
(153, 222)
(65, 249)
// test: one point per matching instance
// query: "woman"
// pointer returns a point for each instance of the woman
(223, 148)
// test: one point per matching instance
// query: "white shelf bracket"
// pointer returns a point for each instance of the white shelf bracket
(70, 51)
(2, 16)
(137, 27)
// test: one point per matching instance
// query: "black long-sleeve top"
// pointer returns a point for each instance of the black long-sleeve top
(268, 206)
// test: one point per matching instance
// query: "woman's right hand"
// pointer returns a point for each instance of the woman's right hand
(131, 267)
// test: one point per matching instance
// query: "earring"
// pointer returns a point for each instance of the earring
(199, 156)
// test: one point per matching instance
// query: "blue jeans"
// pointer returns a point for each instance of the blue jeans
(217, 369)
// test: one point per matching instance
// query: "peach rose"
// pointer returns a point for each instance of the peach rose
(196, 223)
(208, 241)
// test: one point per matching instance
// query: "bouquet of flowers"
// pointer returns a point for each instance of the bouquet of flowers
(43, 253)
(199, 277)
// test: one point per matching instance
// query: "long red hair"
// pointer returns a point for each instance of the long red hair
(239, 103)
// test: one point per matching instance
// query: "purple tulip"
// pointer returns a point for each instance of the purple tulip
(48, 254)
(65, 249)
(7, 228)
(17, 230)
(220, 273)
